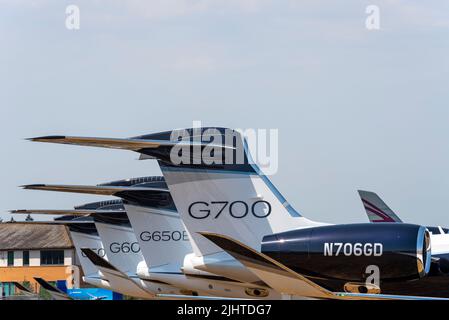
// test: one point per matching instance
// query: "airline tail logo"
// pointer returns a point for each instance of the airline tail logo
(374, 210)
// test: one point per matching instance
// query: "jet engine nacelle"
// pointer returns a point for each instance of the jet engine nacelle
(354, 252)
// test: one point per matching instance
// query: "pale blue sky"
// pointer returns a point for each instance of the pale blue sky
(354, 108)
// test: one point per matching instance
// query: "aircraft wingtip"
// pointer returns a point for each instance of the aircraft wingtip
(31, 186)
(46, 138)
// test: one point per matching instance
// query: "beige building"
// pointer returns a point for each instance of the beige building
(30, 250)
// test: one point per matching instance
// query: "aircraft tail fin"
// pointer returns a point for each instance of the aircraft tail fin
(376, 209)
(161, 235)
(222, 188)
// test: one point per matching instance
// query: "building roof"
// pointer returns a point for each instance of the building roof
(34, 236)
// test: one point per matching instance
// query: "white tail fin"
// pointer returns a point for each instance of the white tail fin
(119, 241)
(161, 235)
(376, 209)
(86, 236)
(234, 198)
(156, 223)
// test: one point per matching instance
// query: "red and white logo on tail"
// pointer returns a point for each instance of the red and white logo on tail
(376, 209)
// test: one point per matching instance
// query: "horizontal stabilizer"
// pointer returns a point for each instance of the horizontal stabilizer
(97, 190)
(133, 144)
(65, 212)
(112, 143)
(57, 222)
